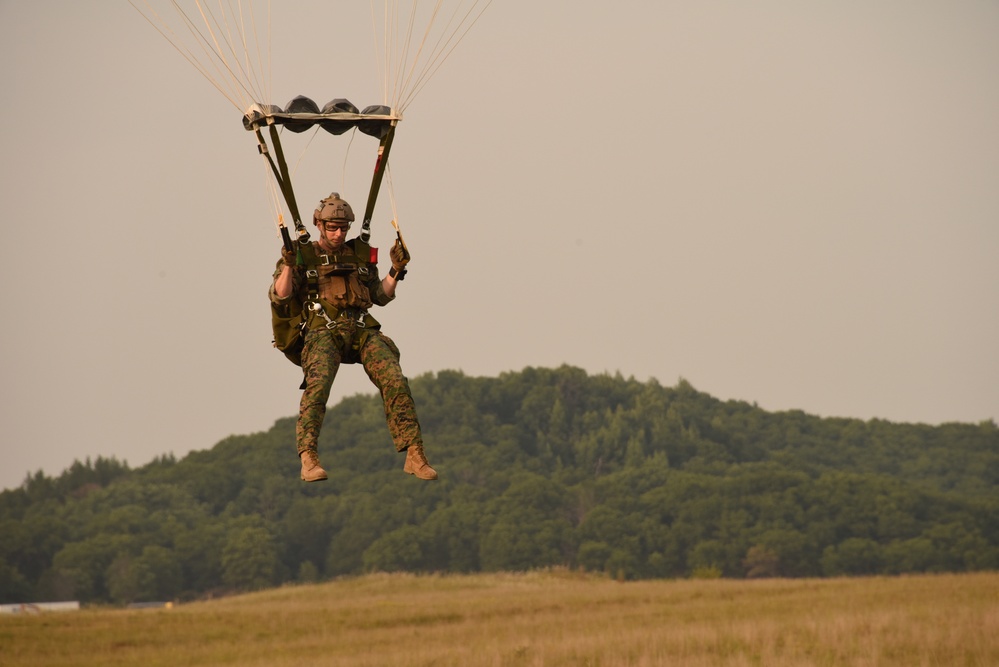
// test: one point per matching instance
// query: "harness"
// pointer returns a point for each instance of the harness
(351, 322)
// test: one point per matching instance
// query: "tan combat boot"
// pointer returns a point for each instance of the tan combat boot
(416, 463)
(311, 470)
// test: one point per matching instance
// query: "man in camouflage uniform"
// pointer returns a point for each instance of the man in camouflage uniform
(336, 281)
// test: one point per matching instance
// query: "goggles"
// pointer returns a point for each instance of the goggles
(335, 225)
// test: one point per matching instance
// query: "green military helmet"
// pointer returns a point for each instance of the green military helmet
(333, 209)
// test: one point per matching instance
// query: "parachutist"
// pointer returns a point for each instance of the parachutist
(333, 283)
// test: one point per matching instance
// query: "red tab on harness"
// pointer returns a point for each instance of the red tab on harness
(374, 256)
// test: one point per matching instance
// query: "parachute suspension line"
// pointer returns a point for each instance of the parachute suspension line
(247, 51)
(391, 192)
(304, 150)
(234, 44)
(376, 45)
(225, 31)
(391, 57)
(398, 66)
(407, 64)
(346, 155)
(442, 52)
(400, 69)
(262, 71)
(263, 68)
(383, 47)
(401, 84)
(161, 27)
(234, 76)
(267, 77)
(211, 49)
(231, 48)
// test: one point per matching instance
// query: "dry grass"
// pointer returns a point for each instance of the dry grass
(551, 619)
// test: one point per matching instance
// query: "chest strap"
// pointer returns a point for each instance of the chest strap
(355, 251)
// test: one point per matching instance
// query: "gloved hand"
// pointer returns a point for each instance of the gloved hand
(400, 255)
(289, 257)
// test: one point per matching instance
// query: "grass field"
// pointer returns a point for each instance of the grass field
(545, 618)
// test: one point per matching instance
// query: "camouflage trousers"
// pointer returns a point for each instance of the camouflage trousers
(322, 355)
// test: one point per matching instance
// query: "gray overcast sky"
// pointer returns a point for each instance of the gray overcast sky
(792, 203)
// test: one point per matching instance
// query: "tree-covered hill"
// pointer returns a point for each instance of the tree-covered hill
(538, 468)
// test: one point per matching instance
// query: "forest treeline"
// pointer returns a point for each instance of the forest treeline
(539, 468)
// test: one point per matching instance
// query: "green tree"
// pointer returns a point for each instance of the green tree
(795, 555)
(454, 538)
(396, 551)
(908, 556)
(853, 556)
(306, 529)
(518, 546)
(83, 565)
(709, 554)
(198, 551)
(129, 580)
(249, 558)
(308, 572)
(593, 555)
(761, 562)
(14, 587)
(530, 528)
(166, 576)
(544, 466)
(622, 564)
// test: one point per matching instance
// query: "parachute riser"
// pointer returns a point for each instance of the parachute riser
(376, 180)
(283, 178)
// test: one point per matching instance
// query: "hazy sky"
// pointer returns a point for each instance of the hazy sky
(792, 203)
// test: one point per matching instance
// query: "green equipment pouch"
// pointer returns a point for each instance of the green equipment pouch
(288, 326)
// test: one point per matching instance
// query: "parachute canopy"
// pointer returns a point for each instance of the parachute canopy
(336, 117)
